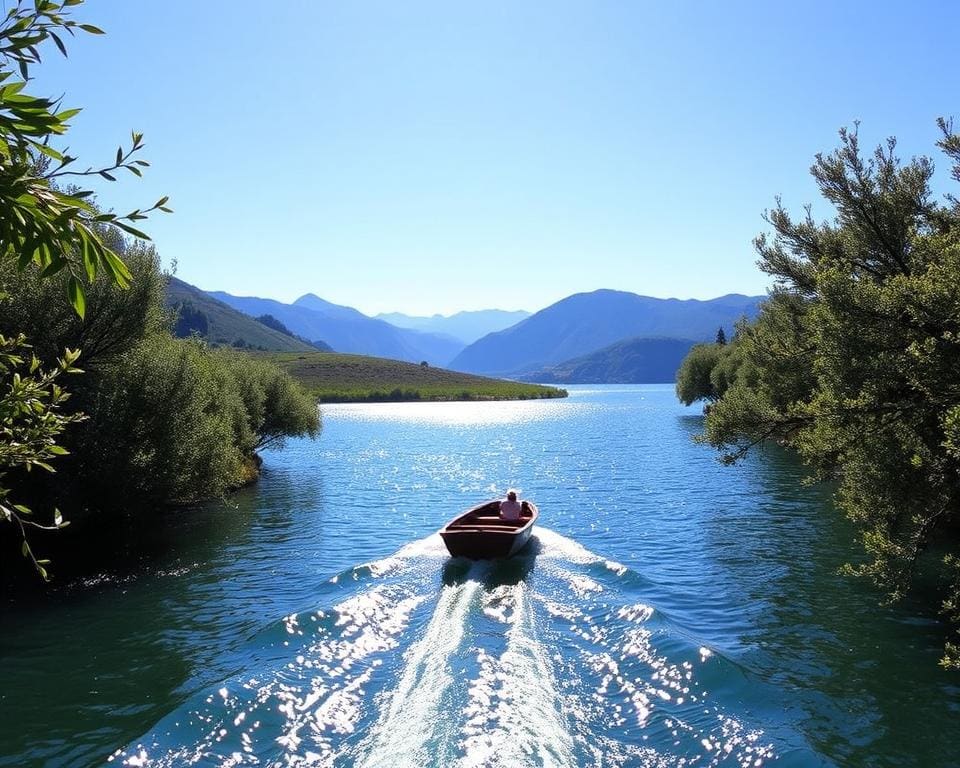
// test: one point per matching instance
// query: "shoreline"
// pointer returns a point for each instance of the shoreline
(380, 397)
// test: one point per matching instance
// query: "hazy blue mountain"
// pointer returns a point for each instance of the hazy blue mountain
(465, 326)
(218, 323)
(632, 361)
(586, 322)
(348, 330)
(314, 302)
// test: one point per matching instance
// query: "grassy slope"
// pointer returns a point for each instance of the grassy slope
(341, 378)
(227, 325)
(631, 361)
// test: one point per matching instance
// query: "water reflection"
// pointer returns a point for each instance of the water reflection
(814, 629)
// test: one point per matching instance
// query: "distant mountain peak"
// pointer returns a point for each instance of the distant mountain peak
(466, 325)
(312, 301)
(586, 322)
(348, 329)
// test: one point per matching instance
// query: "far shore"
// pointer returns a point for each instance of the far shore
(333, 377)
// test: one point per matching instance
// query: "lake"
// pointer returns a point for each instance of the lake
(670, 612)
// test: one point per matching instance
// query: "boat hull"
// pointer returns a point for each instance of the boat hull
(480, 534)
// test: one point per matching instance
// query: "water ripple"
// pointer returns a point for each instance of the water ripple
(435, 662)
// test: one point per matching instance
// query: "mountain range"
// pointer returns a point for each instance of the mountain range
(346, 329)
(463, 326)
(586, 322)
(601, 336)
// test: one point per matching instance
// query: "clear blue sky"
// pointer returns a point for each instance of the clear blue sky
(432, 157)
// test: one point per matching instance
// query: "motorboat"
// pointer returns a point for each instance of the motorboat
(480, 533)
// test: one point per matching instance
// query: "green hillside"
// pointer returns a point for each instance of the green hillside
(222, 325)
(631, 361)
(340, 378)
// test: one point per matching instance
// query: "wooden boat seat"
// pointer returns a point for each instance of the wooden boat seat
(491, 525)
(483, 524)
(482, 529)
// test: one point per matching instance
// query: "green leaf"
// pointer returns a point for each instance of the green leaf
(76, 295)
(89, 261)
(25, 548)
(27, 250)
(117, 269)
(48, 151)
(67, 114)
(132, 230)
(59, 42)
(91, 29)
(53, 267)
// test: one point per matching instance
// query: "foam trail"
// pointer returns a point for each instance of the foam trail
(556, 546)
(402, 734)
(515, 712)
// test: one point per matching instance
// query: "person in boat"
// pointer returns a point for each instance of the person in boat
(510, 508)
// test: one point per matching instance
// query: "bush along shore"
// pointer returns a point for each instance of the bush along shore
(155, 421)
(344, 378)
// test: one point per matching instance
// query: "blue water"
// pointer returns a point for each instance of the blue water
(670, 612)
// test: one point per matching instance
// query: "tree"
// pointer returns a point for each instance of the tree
(721, 336)
(271, 322)
(48, 227)
(854, 359)
(693, 378)
(190, 320)
(115, 318)
(42, 223)
(167, 420)
(31, 419)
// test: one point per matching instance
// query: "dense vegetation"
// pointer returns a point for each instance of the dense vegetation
(338, 378)
(854, 360)
(150, 420)
(165, 420)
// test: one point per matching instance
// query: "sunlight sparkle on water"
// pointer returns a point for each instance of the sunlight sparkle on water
(478, 682)
(458, 413)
